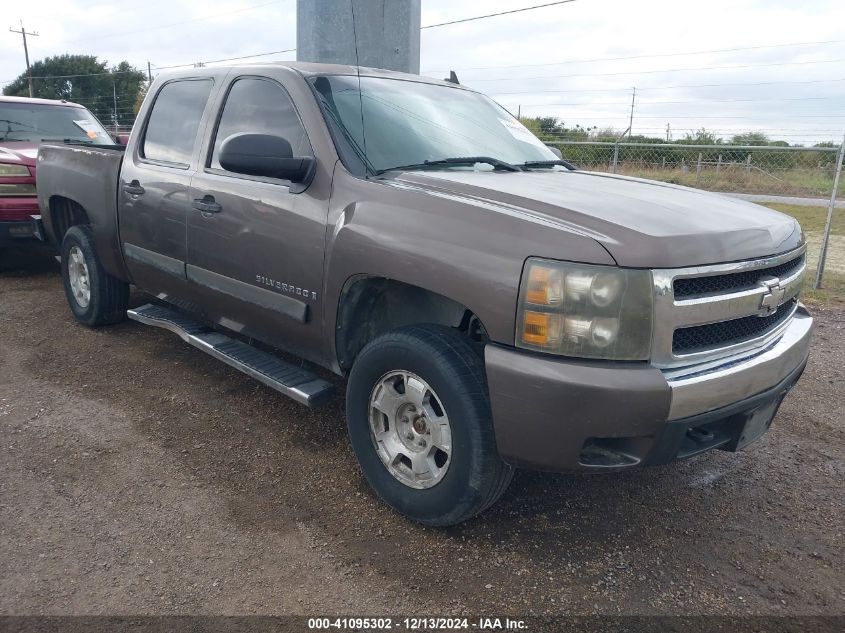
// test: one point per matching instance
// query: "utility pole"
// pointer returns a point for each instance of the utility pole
(114, 96)
(377, 33)
(24, 33)
(631, 122)
(831, 207)
(668, 133)
(149, 73)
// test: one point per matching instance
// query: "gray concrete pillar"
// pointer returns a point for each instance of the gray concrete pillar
(388, 33)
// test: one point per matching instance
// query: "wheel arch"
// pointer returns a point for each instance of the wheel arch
(371, 305)
(64, 213)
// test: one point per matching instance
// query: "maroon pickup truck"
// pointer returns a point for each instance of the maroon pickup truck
(491, 306)
(24, 125)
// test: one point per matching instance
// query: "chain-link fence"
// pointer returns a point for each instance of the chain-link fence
(777, 171)
(119, 129)
(766, 173)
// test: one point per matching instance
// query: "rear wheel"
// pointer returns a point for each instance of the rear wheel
(419, 421)
(95, 297)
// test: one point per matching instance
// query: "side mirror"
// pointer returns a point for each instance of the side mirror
(556, 151)
(264, 155)
(123, 139)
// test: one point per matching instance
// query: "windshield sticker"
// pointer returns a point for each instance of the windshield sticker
(89, 127)
(520, 132)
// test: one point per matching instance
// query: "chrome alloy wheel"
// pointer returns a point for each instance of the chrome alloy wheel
(410, 429)
(77, 272)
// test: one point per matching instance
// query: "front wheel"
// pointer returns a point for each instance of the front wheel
(419, 420)
(95, 297)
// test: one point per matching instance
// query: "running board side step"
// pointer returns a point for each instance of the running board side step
(299, 384)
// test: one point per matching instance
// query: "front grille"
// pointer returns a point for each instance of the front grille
(731, 282)
(700, 337)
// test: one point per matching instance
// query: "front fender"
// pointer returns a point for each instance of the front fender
(472, 254)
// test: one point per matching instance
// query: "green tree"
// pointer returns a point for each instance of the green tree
(139, 99)
(700, 137)
(750, 138)
(85, 80)
(549, 128)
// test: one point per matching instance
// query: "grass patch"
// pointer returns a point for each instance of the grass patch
(832, 293)
(811, 219)
(808, 182)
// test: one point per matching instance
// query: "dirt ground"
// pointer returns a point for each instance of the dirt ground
(139, 476)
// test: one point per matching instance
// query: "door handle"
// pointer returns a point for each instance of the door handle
(134, 188)
(206, 204)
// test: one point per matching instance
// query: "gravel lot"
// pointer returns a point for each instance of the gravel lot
(138, 476)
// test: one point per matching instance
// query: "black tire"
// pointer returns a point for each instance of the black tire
(109, 295)
(476, 476)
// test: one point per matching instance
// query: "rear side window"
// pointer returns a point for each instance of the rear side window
(260, 106)
(174, 121)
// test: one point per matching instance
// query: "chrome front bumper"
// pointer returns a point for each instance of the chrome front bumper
(709, 386)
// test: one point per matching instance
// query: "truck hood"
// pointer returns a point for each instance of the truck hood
(641, 223)
(21, 153)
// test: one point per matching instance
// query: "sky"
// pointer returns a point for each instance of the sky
(730, 66)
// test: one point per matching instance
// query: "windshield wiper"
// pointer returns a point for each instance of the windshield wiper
(549, 163)
(460, 160)
(9, 129)
(70, 141)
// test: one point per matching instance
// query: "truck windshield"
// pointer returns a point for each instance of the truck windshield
(390, 123)
(35, 122)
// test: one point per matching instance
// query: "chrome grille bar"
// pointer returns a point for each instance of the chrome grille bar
(761, 299)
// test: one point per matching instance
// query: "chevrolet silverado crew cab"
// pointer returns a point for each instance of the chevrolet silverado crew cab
(490, 306)
(24, 123)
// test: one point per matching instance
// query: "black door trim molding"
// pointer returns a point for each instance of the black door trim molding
(288, 306)
(169, 265)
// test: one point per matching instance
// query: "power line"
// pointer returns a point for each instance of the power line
(227, 59)
(760, 83)
(652, 72)
(122, 72)
(107, 72)
(602, 103)
(493, 15)
(627, 57)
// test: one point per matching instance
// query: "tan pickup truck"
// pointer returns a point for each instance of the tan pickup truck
(490, 305)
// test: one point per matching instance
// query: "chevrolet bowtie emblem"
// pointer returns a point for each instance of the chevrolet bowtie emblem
(772, 297)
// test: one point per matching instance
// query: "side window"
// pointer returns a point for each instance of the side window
(260, 106)
(174, 121)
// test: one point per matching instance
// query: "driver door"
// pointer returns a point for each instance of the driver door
(254, 247)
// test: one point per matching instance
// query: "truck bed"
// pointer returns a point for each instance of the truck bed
(88, 175)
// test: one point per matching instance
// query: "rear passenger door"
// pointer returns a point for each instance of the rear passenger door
(257, 259)
(153, 192)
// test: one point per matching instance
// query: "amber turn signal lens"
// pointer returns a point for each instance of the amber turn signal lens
(535, 328)
(545, 286)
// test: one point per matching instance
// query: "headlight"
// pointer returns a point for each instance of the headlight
(13, 170)
(17, 190)
(585, 311)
